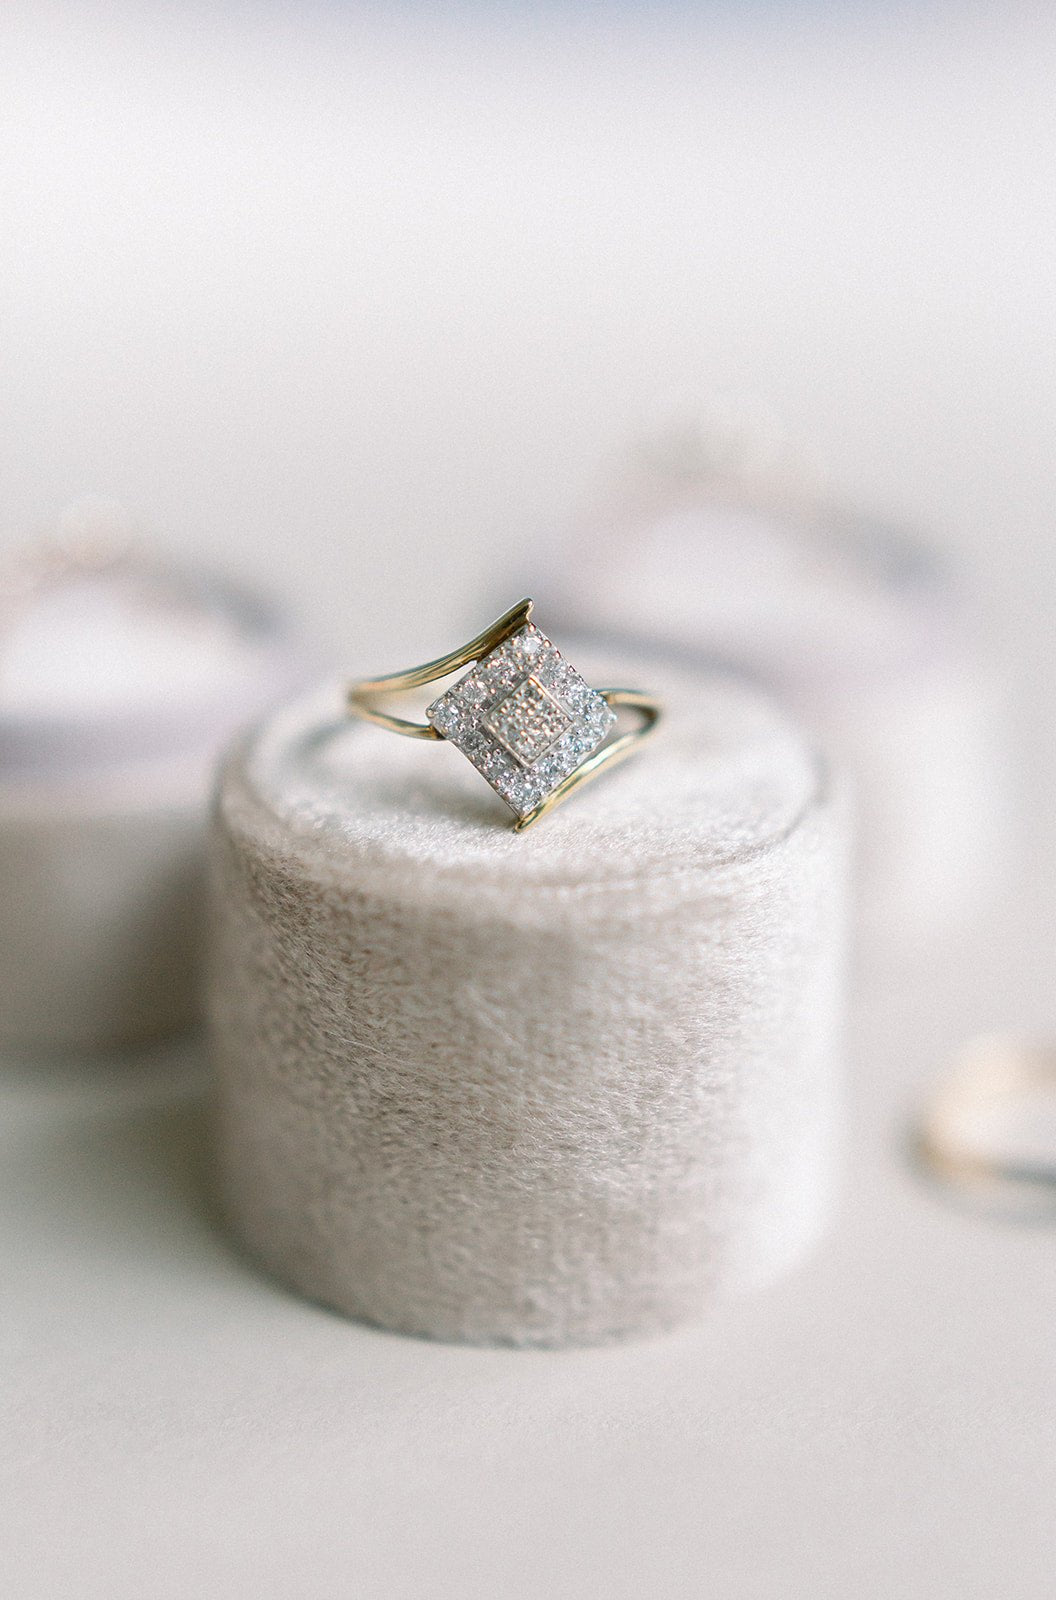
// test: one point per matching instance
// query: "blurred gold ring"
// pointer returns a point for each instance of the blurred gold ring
(991, 1074)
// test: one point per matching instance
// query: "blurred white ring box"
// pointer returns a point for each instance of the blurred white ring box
(859, 631)
(119, 685)
(550, 1088)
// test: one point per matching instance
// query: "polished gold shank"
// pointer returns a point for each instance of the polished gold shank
(362, 695)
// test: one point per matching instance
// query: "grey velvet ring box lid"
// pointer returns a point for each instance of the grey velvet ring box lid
(119, 686)
(871, 639)
(554, 1088)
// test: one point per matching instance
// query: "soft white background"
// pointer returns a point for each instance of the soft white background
(349, 297)
(357, 302)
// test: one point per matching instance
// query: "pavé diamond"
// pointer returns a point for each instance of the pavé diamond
(528, 721)
(524, 717)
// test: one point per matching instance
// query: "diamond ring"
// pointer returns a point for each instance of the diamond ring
(529, 723)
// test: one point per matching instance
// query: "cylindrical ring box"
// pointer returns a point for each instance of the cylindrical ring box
(547, 1088)
(861, 631)
(118, 689)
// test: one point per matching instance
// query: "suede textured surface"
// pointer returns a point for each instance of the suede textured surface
(551, 1088)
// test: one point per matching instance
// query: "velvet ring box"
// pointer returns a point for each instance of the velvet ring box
(862, 631)
(120, 681)
(550, 1088)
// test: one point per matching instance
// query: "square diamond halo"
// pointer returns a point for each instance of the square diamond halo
(524, 718)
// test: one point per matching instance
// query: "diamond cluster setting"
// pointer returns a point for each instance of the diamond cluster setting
(524, 718)
(528, 721)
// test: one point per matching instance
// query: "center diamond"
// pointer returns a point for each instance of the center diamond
(528, 722)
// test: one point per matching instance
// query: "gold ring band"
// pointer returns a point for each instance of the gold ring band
(992, 1078)
(527, 721)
